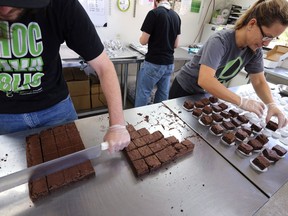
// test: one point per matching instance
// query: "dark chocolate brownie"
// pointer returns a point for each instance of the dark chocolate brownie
(236, 122)
(225, 114)
(256, 127)
(171, 140)
(223, 106)
(140, 167)
(271, 154)
(243, 119)
(261, 162)
(164, 156)
(157, 135)
(217, 117)
(262, 138)
(145, 151)
(205, 101)
(139, 142)
(197, 112)
(255, 144)
(245, 148)
(279, 150)
(131, 146)
(152, 162)
(188, 144)
(199, 104)
(134, 135)
(207, 109)
(134, 155)
(241, 134)
(217, 129)
(188, 104)
(216, 108)
(233, 113)
(272, 125)
(247, 129)
(158, 146)
(213, 99)
(229, 137)
(228, 125)
(130, 128)
(143, 132)
(206, 119)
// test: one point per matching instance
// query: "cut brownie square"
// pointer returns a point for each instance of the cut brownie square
(217, 129)
(140, 167)
(228, 125)
(171, 140)
(145, 151)
(272, 125)
(255, 144)
(139, 142)
(152, 162)
(158, 146)
(206, 119)
(197, 112)
(199, 104)
(205, 101)
(134, 155)
(279, 150)
(261, 162)
(241, 134)
(223, 106)
(271, 155)
(233, 113)
(216, 108)
(143, 131)
(38, 188)
(213, 99)
(236, 122)
(256, 127)
(164, 155)
(245, 148)
(130, 128)
(188, 104)
(217, 117)
(188, 144)
(207, 110)
(243, 119)
(229, 138)
(157, 135)
(131, 146)
(262, 138)
(134, 135)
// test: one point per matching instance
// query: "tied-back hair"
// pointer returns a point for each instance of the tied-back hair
(265, 12)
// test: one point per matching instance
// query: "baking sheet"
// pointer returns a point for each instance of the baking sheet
(268, 182)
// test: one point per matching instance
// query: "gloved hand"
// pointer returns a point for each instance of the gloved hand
(273, 110)
(118, 138)
(252, 105)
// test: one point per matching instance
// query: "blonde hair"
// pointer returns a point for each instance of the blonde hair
(265, 12)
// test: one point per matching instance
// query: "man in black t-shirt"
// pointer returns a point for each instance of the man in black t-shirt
(33, 92)
(160, 30)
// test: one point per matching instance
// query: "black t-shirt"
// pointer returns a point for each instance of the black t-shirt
(163, 25)
(31, 76)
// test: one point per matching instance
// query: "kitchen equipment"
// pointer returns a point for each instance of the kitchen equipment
(283, 89)
(46, 168)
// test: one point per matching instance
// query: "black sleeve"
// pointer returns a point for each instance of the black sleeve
(78, 30)
(148, 23)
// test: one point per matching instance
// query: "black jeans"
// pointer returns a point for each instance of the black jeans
(177, 91)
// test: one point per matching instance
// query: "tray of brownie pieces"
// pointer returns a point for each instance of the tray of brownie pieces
(256, 148)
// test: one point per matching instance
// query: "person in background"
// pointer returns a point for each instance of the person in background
(33, 92)
(226, 52)
(160, 30)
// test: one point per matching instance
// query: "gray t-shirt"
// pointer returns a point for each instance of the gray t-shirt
(220, 53)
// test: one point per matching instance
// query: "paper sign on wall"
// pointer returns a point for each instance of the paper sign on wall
(96, 10)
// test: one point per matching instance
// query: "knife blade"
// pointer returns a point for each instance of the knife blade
(31, 173)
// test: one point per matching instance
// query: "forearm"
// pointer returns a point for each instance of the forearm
(111, 88)
(262, 88)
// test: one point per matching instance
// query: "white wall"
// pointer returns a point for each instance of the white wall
(123, 26)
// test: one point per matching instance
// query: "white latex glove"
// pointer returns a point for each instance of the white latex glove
(118, 138)
(273, 110)
(252, 105)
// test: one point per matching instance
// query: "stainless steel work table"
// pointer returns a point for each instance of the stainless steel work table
(269, 182)
(201, 183)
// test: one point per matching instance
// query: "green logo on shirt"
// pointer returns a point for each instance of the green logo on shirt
(230, 70)
(21, 64)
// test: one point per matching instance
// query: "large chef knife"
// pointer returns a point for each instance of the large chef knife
(46, 168)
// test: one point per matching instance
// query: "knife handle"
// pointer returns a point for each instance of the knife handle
(104, 146)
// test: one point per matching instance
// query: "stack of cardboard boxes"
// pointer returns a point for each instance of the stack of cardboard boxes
(85, 91)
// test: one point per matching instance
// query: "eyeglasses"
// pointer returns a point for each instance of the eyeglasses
(265, 37)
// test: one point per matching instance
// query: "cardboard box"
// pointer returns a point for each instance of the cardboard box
(97, 97)
(81, 102)
(77, 81)
(275, 56)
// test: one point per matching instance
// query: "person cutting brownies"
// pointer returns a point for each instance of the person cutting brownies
(33, 92)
